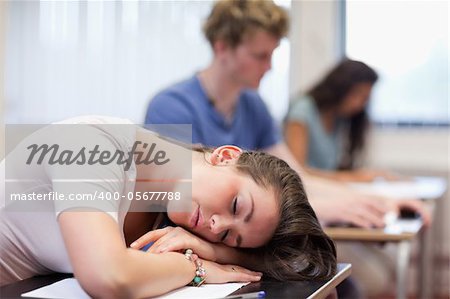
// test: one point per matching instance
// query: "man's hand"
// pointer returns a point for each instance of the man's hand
(337, 203)
(416, 206)
(362, 211)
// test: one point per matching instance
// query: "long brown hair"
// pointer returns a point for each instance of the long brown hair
(329, 94)
(299, 248)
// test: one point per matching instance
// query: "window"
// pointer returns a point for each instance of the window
(407, 43)
(65, 58)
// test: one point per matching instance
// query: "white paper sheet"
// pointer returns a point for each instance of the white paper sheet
(399, 226)
(211, 291)
(66, 288)
(70, 289)
(419, 187)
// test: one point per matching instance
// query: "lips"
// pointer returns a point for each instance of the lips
(196, 219)
(193, 222)
(200, 218)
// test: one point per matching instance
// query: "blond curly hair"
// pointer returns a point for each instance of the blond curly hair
(233, 20)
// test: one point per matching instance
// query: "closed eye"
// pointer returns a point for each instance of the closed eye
(234, 206)
(234, 210)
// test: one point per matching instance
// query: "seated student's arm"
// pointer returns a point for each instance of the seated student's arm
(334, 202)
(105, 268)
(296, 134)
(359, 175)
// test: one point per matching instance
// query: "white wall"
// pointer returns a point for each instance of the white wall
(2, 72)
(316, 41)
(410, 149)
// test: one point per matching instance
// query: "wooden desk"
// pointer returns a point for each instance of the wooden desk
(400, 231)
(397, 231)
(273, 289)
(428, 189)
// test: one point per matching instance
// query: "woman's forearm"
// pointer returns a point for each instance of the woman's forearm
(105, 268)
(155, 274)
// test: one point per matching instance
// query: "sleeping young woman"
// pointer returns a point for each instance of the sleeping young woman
(242, 210)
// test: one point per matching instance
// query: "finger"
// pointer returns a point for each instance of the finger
(379, 204)
(164, 240)
(244, 270)
(250, 272)
(176, 236)
(244, 277)
(181, 240)
(355, 218)
(419, 207)
(241, 274)
(426, 217)
(359, 222)
(150, 237)
(372, 216)
(174, 244)
(363, 216)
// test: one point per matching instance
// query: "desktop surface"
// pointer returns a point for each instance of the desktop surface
(273, 289)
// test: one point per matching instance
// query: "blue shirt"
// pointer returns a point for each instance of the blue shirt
(324, 148)
(252, 127)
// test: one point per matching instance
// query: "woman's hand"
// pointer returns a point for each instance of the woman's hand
(175, 239)
(217, 273)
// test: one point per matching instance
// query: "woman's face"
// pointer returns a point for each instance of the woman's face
(229, 207)
(356, 99)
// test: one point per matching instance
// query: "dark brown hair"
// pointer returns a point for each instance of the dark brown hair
(329, 94)
(233, 20)
(299, 248)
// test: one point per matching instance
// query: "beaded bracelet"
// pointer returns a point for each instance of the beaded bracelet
(200, 272)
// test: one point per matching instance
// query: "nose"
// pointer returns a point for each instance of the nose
(266, 65)
(269, 64)
(218, 224)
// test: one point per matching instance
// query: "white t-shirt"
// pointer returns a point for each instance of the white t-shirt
(30, 239)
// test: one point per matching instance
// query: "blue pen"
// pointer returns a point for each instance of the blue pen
(260, 294)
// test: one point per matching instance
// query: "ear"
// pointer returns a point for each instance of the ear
(220, 47)
(225, 155)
